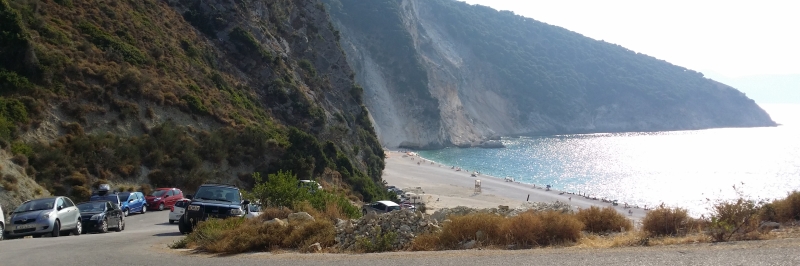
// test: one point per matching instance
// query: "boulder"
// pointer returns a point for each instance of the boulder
(300, 217)
(316, 247)
(276, 221)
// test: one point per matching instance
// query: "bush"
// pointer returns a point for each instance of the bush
(81, 193)
(783, 210)
(377, 241)
(663, 221)
(598, 220)
(8, 186)
(734, 220)
(464, 228)
(524, 229)
(76, 179)
(236, 235)
(146, 189)
(560, 228)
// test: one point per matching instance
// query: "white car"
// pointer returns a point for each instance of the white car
(253, 210)
(2, 223)
(380, 207)
(177, 210)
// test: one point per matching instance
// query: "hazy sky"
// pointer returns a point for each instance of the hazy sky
(729, 38)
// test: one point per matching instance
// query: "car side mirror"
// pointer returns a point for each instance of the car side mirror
(130, 200)
(166, 196)
(189, 196)
(59, 208)
(245, 202)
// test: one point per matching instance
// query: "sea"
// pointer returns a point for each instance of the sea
(687, 169)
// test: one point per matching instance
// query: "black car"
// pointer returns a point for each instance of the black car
(212, 201)
(99, 216)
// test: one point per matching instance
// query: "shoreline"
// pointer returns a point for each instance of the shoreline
(445, 187)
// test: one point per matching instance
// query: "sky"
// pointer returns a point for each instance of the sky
(729, 41)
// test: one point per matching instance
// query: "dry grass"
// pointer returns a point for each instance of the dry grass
(625, 239)
(783, 210)
(237, 235)
(597, 220)
(272, 213)
(524, 230)
(663, 221)
(465, 228)
(425, 242)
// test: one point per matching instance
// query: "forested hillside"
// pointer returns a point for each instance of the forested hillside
(497, 73)
(145, 93)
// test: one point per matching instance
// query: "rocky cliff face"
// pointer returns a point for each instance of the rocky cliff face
(570, 88)
(153, 93)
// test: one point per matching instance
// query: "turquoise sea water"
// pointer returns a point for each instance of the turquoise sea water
(679, 168)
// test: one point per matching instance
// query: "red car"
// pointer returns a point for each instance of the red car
(163, 198)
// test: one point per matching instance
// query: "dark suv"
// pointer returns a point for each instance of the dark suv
(212, 201)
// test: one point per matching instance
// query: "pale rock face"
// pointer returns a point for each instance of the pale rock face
(475, 104)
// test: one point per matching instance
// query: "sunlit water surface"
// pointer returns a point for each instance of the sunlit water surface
(678, 168)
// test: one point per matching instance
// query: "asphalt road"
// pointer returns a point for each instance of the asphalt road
(145, 240)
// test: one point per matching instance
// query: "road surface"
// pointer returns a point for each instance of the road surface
(145, 240)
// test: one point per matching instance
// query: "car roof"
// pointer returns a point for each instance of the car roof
(218, 185)
(388, 203)
(165, 188)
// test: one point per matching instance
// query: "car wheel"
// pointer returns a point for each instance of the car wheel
(78, 229)
(123, 224)
(104, 226)
(184, 228)
(144, 209)
(3, 232)
(125, 212)
(161, 206)
(56, 229)
(119, 225)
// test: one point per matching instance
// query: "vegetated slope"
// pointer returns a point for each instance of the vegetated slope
(496, 73)
(176, 93)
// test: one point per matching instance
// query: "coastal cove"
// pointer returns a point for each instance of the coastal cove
(678, 168)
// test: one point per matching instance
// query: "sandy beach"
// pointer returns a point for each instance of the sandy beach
(443, 187)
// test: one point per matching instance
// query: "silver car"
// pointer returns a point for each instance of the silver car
(47, 216)
(2, 222)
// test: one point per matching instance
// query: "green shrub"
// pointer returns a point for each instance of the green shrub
(19, 147)
(734, 220)
(11, 82)
(104, 40)
(377, 241)
(246, 43)
(308, 67)
(195, 104)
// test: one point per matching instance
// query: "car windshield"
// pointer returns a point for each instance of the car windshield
(158, 193)
(123, 196)
(36, 205)
(98, 206)
(255, 208)
(218, 193)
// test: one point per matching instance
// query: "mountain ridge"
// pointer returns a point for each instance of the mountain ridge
(495, 73)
